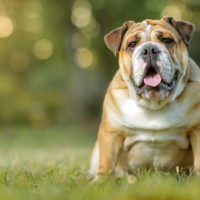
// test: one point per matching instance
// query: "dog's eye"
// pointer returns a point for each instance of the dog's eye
(132, 45)
(167, 40)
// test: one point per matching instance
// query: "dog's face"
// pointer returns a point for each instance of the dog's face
(153, 58)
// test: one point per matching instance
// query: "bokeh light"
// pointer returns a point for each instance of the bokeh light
(43, 49)
(50, 51)
(84, 58)
(81, 13)
(6, 26)
(173, 11)
(32, 22)
(32, 6)
(92, 29)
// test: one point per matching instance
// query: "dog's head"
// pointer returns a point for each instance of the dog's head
(153, 58)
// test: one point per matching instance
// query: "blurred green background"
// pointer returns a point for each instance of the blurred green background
(54, 65)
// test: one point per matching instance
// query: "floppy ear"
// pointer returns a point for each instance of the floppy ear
(184, 28)
(114, 39)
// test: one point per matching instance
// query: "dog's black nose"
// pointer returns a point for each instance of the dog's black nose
(150, 51)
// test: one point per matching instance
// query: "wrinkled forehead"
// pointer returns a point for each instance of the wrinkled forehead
(148, 26)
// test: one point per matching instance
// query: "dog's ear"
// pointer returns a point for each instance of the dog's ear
(114, 39)
(184, 28)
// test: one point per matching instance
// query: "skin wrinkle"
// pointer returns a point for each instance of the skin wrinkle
(194, 107)
(147, 31)
(125, 67)
(166, 120)
(152, 30)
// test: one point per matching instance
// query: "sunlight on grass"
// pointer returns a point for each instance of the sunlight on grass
(52, 163)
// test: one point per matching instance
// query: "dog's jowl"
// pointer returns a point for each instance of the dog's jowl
(151, 111)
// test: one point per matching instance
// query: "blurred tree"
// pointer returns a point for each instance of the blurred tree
(54, 65)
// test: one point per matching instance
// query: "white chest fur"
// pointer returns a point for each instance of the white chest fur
(137, 117)
(164, 126)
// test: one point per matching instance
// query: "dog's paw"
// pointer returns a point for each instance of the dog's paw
(97, 178)
(131, 179)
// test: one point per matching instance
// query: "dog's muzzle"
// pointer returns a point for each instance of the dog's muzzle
(153, 69)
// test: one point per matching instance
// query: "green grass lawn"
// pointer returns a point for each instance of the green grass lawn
(52, 163)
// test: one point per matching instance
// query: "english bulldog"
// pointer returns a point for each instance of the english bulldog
(151, 110)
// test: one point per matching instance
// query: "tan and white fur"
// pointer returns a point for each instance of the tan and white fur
(153, 128)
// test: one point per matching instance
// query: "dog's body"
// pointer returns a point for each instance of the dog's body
(151, 111)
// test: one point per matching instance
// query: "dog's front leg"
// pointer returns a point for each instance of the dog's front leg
(110, 146)
(195, 142)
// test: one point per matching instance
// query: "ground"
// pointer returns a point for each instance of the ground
(52, 162)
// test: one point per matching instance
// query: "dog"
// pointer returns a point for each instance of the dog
(151, 110)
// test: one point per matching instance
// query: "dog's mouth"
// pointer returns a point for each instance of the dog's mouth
(152, 80)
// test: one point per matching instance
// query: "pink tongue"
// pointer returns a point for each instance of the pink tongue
(152, 79)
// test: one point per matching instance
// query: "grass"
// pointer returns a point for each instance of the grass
(52, 163)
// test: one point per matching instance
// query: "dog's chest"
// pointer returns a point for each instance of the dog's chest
(154, 138)
(156, 128)
(139, 118)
